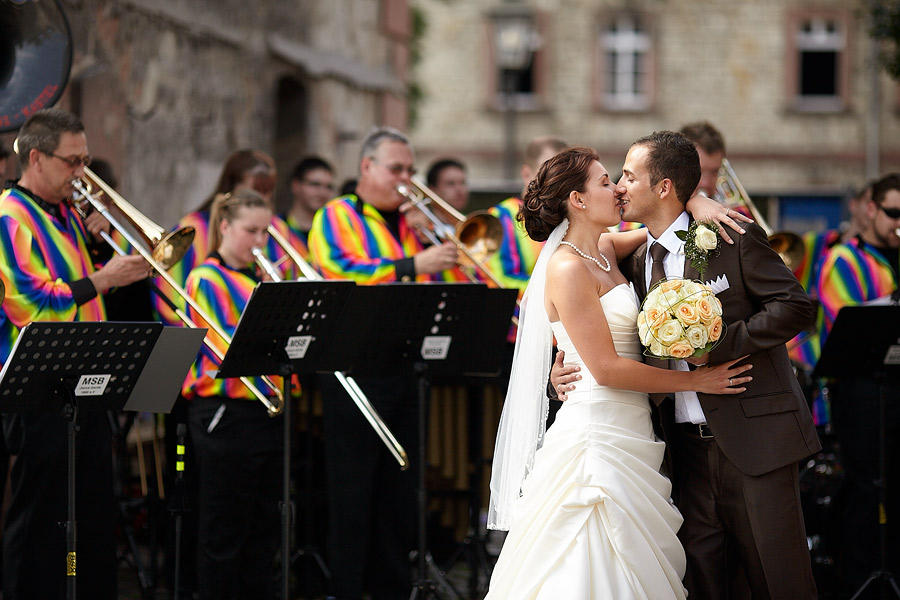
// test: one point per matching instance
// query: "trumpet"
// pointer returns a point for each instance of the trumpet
(169, 255)
(788, 245)
(477, 236)
(348, 383)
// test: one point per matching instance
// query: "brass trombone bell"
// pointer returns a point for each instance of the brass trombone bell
(481, 233)
(167, 248)
(788, 245)
(477, 236)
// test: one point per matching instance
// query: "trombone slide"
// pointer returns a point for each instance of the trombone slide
(349, 384)
(163, 272)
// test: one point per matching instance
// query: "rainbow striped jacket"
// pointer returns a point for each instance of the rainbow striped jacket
(853, 272)
(222, 293)
(198, 252)
(41, 256)
(350, 239)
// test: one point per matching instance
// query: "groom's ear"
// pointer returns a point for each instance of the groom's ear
(665, 189)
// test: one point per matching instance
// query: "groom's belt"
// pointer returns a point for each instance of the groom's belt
(693, 429)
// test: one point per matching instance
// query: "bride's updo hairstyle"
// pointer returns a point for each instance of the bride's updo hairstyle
(545, 203)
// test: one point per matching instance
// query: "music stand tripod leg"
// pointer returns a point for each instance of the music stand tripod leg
(425, 584)
(881, 574)
(71, 414)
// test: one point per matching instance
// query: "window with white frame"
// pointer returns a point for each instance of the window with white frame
(819, 78)
(626, 53)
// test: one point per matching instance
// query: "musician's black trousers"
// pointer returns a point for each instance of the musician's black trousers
(855, 414)
(371, 502)
(239, 464)
(34, 538)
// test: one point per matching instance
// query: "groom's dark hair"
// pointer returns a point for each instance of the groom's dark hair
(672, 156)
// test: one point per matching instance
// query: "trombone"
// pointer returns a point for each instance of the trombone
(788, 245)
(348, 383)
(477, 236)
(170, 250)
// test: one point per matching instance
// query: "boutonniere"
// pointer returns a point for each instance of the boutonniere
(700, 240)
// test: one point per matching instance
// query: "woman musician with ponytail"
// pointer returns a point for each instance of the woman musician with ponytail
(237, 445)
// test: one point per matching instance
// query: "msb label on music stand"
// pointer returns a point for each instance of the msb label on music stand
(435, 347)
(297, 345)
(92, 385)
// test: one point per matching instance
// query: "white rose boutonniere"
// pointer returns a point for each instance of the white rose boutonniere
(700, 240)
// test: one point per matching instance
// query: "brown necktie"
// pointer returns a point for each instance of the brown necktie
(657, 269)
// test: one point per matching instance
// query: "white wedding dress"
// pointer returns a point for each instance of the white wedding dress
(595, 519)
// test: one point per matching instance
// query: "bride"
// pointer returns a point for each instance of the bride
(594, 518)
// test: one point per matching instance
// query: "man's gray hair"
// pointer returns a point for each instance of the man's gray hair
(42, 131)
(379, 135)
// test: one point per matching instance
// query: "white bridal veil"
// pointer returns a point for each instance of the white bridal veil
(525, 409)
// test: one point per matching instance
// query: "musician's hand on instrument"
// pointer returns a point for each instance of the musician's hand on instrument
(436, 258)
(119, 271)
(707, 209)
(95, 223)
(417, 221)
(562, 376)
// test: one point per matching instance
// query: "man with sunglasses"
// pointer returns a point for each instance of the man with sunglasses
(49, 274)
(861, 270)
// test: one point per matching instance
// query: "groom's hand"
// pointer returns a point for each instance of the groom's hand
(562, 377)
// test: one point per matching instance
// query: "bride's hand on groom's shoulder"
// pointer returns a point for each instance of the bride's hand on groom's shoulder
(562, 377)
(707, 210)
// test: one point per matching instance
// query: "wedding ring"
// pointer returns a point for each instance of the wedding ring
(729, 382)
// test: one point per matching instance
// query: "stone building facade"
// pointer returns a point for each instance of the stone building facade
(787, 82)
(168, 88)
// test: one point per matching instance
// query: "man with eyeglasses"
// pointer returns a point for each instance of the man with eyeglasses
(364, 237)
(861, 270)
(49, 274)
(311, 186)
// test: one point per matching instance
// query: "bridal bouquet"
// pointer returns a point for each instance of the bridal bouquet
(680, 318)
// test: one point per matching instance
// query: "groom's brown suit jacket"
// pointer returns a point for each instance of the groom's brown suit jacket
(769, 425)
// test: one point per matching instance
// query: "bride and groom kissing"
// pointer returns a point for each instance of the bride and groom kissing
(597, 516)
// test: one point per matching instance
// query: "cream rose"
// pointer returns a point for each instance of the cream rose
(643, 329)
(706, 238)
(697, 335)
(669, 299)
(692, 288)
(681, 349)
(657, 349)
(669, 332)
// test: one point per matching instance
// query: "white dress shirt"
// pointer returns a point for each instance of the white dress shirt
(687, 404)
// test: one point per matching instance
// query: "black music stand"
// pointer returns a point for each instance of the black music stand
(865, 340)
(283, 330)
(54, 366)
(430, 330)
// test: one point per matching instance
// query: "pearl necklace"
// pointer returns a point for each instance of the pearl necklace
(589, 257)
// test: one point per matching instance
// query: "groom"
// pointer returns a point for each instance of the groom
(733, 458)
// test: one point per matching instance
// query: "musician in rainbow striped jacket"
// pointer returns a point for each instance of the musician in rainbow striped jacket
(365, 237)
(858, 271)
(49, 275)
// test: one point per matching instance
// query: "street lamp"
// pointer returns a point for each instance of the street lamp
(515, 40)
